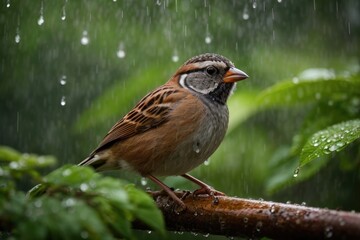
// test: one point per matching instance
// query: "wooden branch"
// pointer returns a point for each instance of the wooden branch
(230, 216)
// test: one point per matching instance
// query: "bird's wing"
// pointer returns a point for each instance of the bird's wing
(151, 112)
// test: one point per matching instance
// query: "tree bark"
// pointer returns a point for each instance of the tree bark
(229, 216)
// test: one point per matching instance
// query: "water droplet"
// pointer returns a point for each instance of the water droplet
(63, 101)
(196, 147)
(175, 57)
(14, 165)
(121, 53)
(85, 39)
(207, 162)
(296, 172)
(246, 220)
(69, 202)
(143, 181)
(254, 4)
(63, 80)
(303, 204)
(245, 15)
(328, 232)
(206, 235)
(158, 2)
(295, 80)
(66, 173)
(208, 40)
(63, 13)
(288, 202)
(149, 232)
(17, 37)
(259, 226)
(279, 1)
(8, 3)
(195, 214)
(216, 200)
(41, 20)
(333, 148)
(272, 209)
(38, 203)
(84, 187)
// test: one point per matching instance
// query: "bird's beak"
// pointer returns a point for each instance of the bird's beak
(234, 75)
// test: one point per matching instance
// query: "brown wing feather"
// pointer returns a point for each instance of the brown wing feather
(150, 112)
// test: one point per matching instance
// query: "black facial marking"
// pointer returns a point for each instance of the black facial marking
(221, 93)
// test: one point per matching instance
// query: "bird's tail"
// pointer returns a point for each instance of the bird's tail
(100, 162)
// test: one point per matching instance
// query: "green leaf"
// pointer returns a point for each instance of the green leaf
(8, 154)
(145, 209)
(332, 139)
(284, 165)
(292, 92)
(70, 175)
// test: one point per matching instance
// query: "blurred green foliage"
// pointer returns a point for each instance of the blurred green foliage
(278, 43)
(337, 98)
(68, 203)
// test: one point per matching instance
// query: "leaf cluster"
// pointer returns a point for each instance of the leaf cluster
(70, 202)
(331, 125)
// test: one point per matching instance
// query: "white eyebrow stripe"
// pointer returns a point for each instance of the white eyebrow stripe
(208, 63)
(182, 80)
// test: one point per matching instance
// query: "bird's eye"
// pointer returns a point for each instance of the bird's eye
(211, 70)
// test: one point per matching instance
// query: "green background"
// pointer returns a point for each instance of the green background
(271, 41)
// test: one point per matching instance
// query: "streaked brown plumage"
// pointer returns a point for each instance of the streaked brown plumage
(174, 128)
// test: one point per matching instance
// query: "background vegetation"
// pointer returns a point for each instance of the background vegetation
(70, 69)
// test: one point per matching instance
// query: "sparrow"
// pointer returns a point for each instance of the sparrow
(174, 128)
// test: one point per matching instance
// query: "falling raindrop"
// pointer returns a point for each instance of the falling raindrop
(149, 232)
(17, 36)
(245, 15)
(41, 19)
(8, 3)
(63, 101)
(85, 39)
(144, 181)
(296, 172)
(208, 40)
(175, 57)
(121, 52)
(63, 13)
(254, 4)
(158, 2)
(279, 1)
(63, 80)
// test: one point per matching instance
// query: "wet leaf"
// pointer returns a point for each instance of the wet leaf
(292, 92)
(330, 140)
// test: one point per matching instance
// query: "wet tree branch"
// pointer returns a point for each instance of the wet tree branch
(230, 216)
